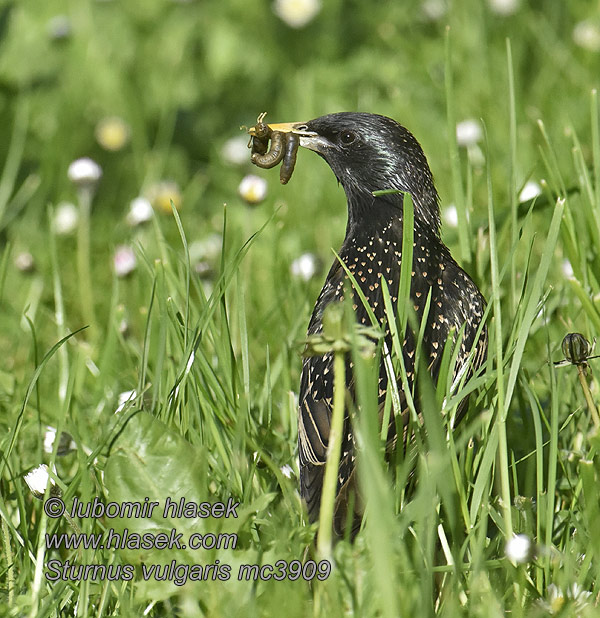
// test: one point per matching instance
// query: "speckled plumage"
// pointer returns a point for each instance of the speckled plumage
(369, 153)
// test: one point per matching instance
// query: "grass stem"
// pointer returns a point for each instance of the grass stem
(10, 579)
(83, 257)
(333, 457)
(581, 370)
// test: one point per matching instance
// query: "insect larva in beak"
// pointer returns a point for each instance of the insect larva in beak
(292, 143)
(260, 139)
(275, 154)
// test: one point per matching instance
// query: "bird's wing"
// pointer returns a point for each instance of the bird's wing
(314, 417)
(315, 408)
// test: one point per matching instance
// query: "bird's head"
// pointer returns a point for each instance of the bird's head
(368, 153)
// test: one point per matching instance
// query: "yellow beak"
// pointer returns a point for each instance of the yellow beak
(299, 128)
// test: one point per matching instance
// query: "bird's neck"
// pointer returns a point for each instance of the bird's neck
(366, 211)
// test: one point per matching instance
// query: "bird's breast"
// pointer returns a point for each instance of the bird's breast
(441, 293)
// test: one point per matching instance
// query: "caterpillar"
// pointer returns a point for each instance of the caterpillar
(274, 155)
(284, 147)
(292, 143)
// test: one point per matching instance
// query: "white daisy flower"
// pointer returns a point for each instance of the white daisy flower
(468, 132)
(112, 133)
(208, 248)
(124, 398)
(65, 443)
(504, 7)
(529, 191)
(24, 262)
(59, 27)
(296, 13)
(37, 480)
(162, 193)
(49, 438)
(450, 215)
(287, 471)
(253, 189)
(66, 219)
(305, 267)
(556, 599)
(235, 150)
(519, 549)
(586, 34)
(567, 269)
(434, 9)
(124, 261)
(84, 172)
(140, 211)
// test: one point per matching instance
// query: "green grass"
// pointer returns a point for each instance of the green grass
(215, 359)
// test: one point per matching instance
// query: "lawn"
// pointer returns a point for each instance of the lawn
(152, 315)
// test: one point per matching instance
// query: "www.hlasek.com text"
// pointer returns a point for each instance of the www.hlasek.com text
(141, 540)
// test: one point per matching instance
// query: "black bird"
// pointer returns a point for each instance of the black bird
(367, 153)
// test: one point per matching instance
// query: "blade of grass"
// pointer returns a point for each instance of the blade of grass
(406, 266)
(186, 252)
(595, 148)
(381, 528)
(497, 339)
(30, 387)
(334, 447)
(534, 295)
(14, 155)
(464, 229)
(513, 168)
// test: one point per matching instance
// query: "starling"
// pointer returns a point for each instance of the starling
(368, 153)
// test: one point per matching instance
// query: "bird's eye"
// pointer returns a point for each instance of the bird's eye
(347, 137)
